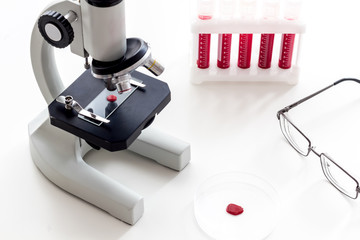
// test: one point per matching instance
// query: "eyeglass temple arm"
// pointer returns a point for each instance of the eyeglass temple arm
(286, 109)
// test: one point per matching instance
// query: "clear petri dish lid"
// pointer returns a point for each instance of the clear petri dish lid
(255, 195)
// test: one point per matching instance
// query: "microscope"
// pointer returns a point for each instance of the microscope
(109, 106)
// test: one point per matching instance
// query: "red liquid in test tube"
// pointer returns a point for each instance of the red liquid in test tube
(292, 11)
(224, 50)
(226, 11)
(204, 47)
(266, 49)
(205, 12)
(245, 44)
(286, 51)
(204, 50)
(270, 12)
(247, 11)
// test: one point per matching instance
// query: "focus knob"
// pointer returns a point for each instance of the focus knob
(56, 28)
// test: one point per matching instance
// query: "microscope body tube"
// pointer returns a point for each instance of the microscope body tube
(104, 29)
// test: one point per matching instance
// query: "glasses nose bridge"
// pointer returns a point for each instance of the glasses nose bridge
(312, 149)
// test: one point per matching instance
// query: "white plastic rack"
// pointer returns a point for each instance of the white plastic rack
(257, 26)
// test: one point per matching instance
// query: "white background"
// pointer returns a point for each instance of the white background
(231, 126)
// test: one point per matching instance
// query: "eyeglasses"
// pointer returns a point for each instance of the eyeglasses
(336, 175)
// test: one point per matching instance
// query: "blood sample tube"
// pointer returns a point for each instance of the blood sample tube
(266, 49)
(205, 12)
(270, 11)
(286, 50)
(224, 42)
(204, 50)
(291, 13)
(247, 12)
(245, 45)
(224, 50)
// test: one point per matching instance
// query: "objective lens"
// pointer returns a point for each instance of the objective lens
(123, 86)
(123, 83)
(154, 67)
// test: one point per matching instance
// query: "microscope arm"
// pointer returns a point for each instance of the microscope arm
(45, 70)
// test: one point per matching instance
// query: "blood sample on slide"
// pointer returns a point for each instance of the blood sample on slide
(291, 12)
(226, 8)
(247, 12)
(270, 12)
(205, 12)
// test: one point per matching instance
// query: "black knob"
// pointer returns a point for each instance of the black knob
(56, 29)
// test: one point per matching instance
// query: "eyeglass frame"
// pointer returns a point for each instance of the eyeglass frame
(310, 146)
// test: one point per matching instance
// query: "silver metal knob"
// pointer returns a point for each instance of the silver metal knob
(68, 101)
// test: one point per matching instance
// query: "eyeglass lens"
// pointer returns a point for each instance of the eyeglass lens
(296, 139)
(338, 177)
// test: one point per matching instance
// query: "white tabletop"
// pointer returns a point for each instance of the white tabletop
(230, 126)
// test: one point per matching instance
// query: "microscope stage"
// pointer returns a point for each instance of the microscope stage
(134, 114)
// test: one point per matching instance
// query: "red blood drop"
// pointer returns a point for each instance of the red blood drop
(205, 17)
(234, 209)
(111, 98)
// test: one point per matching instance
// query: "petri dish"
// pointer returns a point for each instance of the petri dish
(257, 196)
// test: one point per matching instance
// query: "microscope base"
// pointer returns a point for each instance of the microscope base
(59, 156)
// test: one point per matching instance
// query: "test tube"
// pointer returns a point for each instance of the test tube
(270, 11)
(224, 42)
(247, 11)
(205, 12)
(291, 13)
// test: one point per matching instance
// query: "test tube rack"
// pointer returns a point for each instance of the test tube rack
(215, 26)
